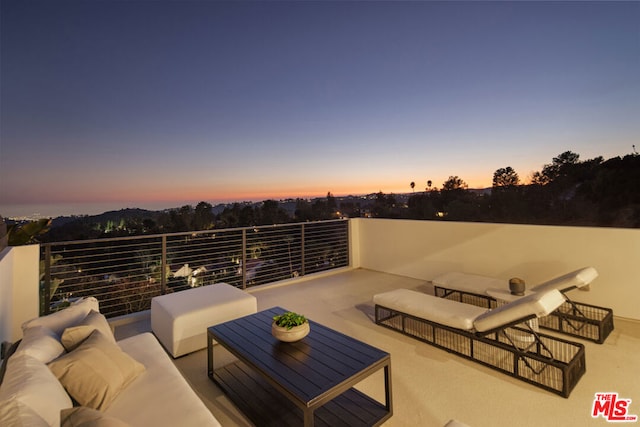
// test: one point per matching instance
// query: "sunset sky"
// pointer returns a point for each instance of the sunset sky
(163, 103)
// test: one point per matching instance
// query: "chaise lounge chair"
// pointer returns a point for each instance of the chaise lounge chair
(500, 338)
(572, 318)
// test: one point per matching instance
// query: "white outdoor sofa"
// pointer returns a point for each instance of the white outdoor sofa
(69, 369)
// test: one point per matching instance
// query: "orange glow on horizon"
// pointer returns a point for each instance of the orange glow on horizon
(132, 196)
(235, 195)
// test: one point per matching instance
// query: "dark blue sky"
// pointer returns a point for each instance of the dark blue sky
(140, 102)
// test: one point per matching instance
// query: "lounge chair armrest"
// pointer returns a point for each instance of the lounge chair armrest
(576, 279)
(538, 304)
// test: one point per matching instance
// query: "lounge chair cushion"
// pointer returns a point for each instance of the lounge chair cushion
(536, 304)
(476, 284)
(472, 283)
(439, 310)
(575, 279)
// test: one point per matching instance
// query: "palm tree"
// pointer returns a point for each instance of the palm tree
(413, 185)
(429, 185)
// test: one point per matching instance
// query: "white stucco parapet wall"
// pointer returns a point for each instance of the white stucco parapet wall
(19, 297)
(425, 249)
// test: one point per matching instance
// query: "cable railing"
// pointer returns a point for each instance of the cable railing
(125, 273)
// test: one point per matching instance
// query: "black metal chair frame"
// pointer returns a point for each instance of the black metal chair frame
(572, 318)
(547, 362)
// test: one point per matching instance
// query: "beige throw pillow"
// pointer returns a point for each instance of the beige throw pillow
(96, 371)
(75, 335)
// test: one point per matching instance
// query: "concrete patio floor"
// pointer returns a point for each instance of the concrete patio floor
(430, 386)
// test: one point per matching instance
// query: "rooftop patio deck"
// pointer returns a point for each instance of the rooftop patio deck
(431, 386)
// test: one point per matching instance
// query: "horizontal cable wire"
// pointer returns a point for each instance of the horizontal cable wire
(125, 273)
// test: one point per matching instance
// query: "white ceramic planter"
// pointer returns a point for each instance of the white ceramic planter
(290, 335)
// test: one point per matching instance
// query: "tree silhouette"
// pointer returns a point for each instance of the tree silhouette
(558, 167)
(505, 177)
(412, 185)
(303, 211)
(351, 209)
(456, 202)
(180, 219)
(420, 206)
(272, 213)
(506, 204)
(203, 217)
(454, 183)
(384, 206)
(332, 206)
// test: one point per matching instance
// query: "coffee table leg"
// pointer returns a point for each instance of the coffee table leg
(387, 387)
(209, 355)
(308, 417)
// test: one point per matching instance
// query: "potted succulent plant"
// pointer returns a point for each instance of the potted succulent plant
(290, 326)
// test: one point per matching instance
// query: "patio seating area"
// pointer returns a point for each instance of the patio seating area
(430, 385)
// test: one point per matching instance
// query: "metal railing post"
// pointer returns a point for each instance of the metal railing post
(163, 266)
(302, 269)
(46, 305)
(244, 258)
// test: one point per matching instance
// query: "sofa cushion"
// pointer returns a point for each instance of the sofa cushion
(173, 401)
(14, 413)
(62, 319)
(81, 416)
(75, 335)
(96, 371)
(41, 343)
(29, 382)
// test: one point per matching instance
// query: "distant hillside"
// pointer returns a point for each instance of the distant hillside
(112, 224)
(106, 216)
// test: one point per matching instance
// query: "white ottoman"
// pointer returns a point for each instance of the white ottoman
(180, 320)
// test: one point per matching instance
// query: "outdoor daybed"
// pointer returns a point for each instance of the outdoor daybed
(572, 318)
(68, 369)
(489, 336)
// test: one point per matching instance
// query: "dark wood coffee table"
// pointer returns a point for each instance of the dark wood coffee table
(309, 382)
